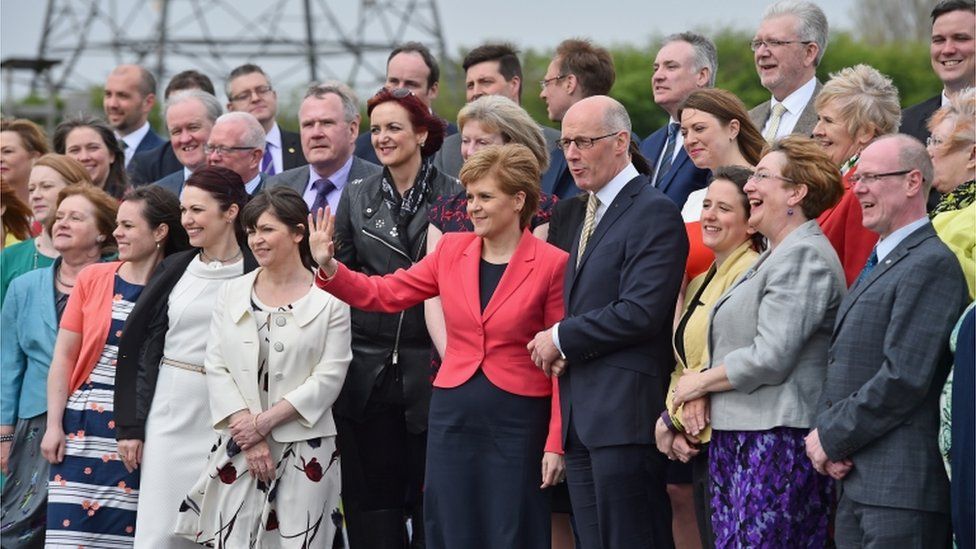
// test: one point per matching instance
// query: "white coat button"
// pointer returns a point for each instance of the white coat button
(280, 321)
(279, 346)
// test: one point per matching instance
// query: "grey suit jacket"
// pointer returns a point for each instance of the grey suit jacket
(297, 178)
(804, 126)
(448, 159)
(173, 182)
(771, 330)
(887, 363)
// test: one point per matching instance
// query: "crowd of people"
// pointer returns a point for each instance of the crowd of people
(752, 328)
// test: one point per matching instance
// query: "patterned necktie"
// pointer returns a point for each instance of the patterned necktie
(592, 203)
(323, 188)
(267, 162)
(868, 267)
(668, 153)
(774, 120)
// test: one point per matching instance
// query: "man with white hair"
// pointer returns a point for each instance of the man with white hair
(788, 46)
(237, 143)
(190, 117)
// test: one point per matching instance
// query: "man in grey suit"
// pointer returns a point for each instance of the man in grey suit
(489, 69)
(878, 415)
(190, 116)
(788, 46)
(329, 123)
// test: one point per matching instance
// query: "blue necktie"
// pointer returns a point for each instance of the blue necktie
(323, 188)
(868, 267)
(668, 153)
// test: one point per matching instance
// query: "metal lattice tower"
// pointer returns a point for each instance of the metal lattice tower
(296, 41)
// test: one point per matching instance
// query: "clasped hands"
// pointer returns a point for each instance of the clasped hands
(835, 469)
(249, 432)
(546, 355)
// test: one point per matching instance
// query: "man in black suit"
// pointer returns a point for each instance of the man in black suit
(130, 93)
(579, 69)
(152, 165)
(952, 51)
(249, 90)
(686, 62)
(613, 348)
(410, 66)
(489, 69)
(329, 121)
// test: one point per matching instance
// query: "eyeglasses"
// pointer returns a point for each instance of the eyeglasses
(868, 178)
(260, 91)
(582, 142)
(222, 150)
(397, 93)
(765, 176)
(545, 83)
(756, 44)
(933, 141)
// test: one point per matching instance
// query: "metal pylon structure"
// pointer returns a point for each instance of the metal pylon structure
(294, 40)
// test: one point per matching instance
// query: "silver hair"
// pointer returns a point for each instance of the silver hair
(254, 135)
(615, 118)
(350, 103)
(812, 21)
(706, 55)
(210, 103)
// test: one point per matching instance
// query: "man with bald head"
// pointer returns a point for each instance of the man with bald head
(237, 143)
(613, 348)
(130, 93)
(877, 422)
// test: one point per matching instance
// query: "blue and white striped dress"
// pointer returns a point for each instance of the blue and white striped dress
(91, 497)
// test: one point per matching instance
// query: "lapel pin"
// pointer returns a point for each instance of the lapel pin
(291, 150)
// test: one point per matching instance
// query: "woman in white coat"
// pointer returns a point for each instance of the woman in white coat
(277, 356)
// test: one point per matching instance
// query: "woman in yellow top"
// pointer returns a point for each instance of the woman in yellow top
(682, 432)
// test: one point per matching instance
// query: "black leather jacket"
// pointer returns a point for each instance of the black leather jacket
(367, 242)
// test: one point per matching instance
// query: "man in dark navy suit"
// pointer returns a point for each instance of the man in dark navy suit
(613, 348)
(130, 93)
(578, 70)
(686, 62)
(410, 66)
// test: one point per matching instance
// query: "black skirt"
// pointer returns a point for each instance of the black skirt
(484, 469)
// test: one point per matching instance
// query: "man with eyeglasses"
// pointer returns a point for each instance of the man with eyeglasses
(579, 69)
(489, 69)
(237, 143)
(613, 348)
(878, 415)
(249, 90)
(190, 117)
(788, 46)
(411, 66)
(686, 62)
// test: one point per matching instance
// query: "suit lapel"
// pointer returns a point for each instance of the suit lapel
(470, 261)
(519, 268)
(808, 117)
(676, 166)
(620, 204)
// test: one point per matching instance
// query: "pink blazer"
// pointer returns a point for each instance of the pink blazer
(529, 298)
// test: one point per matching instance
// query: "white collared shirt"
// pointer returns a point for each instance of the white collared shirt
(794, 103)
(252, 185)
(890, 242)
(339, 178)
(132, 141)
(273, 138)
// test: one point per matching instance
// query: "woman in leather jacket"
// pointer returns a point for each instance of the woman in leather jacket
(381, 413)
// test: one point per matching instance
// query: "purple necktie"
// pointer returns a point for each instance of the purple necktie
(267, 163)
(323, 188)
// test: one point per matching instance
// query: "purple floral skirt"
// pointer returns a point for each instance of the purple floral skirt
(765, 491)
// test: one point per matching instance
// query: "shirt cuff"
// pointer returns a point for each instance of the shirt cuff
(555, 340)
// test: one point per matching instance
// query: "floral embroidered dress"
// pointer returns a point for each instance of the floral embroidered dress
(91, 497)
(227, 507)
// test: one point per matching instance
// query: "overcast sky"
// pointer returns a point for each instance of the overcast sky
(538, 24)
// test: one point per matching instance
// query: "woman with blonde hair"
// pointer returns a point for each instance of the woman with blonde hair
(856, 106)
(51, 173)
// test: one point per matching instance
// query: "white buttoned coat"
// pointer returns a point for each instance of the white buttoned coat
(308, 356)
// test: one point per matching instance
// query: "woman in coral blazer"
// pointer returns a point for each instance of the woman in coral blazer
(493, 414)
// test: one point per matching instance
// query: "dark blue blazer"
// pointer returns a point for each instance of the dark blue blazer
(619, 310)
(557, 180)
(364, 147)
(683, 178)
(153, 165)
(150, 141)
